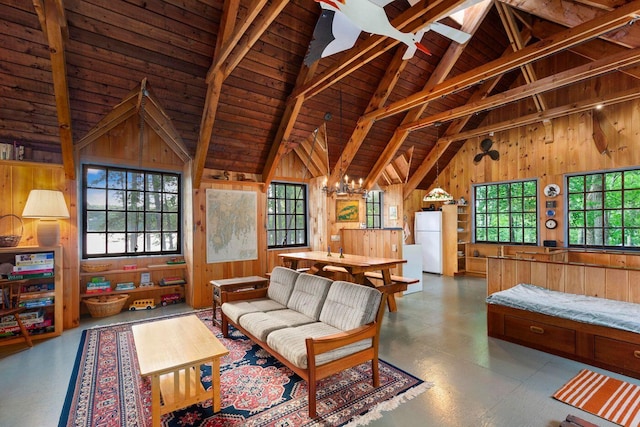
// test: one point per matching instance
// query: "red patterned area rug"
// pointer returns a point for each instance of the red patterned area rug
(609, 398)
(106, 388)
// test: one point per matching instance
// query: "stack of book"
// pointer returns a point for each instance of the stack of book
(169, 281)
(33, 266)
(98, 285)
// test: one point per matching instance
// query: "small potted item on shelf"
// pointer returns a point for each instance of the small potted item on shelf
(176, 260)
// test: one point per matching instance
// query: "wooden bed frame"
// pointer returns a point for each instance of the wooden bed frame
(608, 348)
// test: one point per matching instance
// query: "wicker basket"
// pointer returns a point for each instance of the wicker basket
(95, 268)
(11, 240)
(106, 305)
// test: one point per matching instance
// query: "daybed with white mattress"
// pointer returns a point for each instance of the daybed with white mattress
(598, 331)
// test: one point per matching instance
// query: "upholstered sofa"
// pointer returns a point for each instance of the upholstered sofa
(313, 325)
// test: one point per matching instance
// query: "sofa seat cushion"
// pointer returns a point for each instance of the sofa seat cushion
(261, 324)
(236, 309)
(290, 343)
(349, 306)
(309, 293)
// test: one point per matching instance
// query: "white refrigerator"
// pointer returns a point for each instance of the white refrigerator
(428, 231)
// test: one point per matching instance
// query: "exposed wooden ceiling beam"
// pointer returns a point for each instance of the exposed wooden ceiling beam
(379, 97)
(287, 120)
(416, 17)
(54, 28)
(223, 65)
(513, 33)
(576, 74)
(592, 50)
(473, 18)
(570, 14)
(556, 43)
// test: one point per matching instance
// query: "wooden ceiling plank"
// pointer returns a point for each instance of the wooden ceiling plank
(55, 36)
(574, 75)
(38, 5)
(288, 119)
(536, 51)
(473, 18)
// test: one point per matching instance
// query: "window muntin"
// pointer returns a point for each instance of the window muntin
(373, 204)
(286, 215)
(130, 212)
(603, 210)
(506, 212)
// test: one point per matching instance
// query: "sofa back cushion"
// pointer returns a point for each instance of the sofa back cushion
(309, 294)
(281, 284)
(349, 305)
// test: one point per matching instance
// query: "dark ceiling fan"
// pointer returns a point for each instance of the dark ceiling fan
(486, 151)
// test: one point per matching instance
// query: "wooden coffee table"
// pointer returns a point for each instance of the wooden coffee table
(170, 352)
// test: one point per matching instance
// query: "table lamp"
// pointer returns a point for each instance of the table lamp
(48, 206)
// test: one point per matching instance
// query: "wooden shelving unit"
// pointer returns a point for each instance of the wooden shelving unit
(118, 274)
(455, 236)
(51, 311)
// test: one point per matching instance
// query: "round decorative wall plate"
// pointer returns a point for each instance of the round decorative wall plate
(551, 190)
(551, 212)
(551, 223)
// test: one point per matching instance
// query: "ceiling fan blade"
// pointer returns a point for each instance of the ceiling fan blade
(478, 157)
(450, 32)
(486, 144)
(494, 154)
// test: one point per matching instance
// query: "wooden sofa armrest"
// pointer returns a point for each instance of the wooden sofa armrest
(243, 295)
(321, 345)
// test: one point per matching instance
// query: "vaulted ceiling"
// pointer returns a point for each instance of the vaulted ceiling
(230, 77)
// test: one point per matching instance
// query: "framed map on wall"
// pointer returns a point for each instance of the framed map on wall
(231, 225)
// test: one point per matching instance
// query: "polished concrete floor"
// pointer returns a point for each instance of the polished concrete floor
(438, 335)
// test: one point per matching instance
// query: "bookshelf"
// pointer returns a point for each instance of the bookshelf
(40, 292)
(121, 274)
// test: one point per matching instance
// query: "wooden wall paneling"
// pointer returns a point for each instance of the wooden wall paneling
(594, 281)
(509, 272)
(494, 279)
(617, 284)
(523, 271)
(556, 277)
(634, 286)
(539, 274)
(574, 283)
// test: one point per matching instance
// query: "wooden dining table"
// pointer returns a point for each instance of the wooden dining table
(355, 265)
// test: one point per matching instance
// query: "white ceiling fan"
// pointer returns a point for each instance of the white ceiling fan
(342, 21)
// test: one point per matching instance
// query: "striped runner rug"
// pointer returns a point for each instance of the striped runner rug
(609, 398)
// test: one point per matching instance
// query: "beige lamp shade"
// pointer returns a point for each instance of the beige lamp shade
(48, 206)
